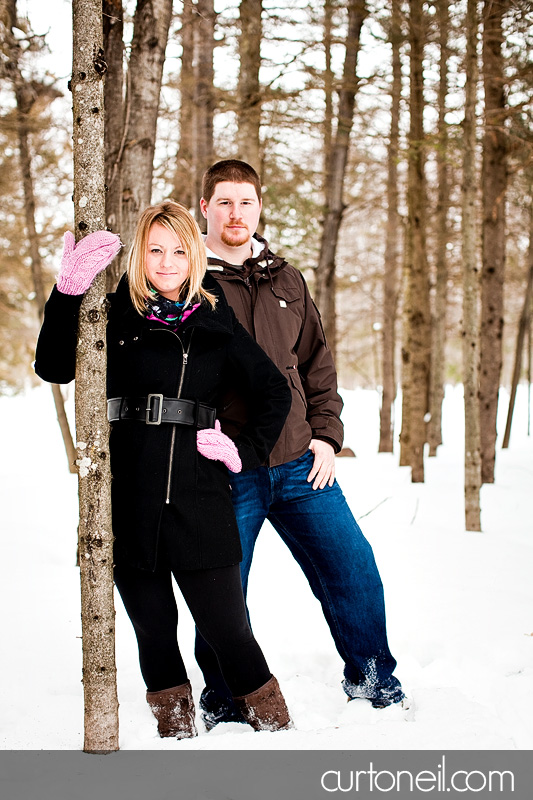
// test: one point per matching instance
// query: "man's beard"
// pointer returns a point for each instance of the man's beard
(235, 240)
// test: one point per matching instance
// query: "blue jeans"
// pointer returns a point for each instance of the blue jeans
(320, 531)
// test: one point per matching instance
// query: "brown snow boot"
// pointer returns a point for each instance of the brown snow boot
(174, 711)
(265, 709)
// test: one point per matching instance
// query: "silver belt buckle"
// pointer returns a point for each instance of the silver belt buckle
(149, 409)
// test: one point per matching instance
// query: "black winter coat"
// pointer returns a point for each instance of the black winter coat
(209, 351)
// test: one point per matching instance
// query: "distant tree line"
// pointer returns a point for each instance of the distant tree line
(394, 140)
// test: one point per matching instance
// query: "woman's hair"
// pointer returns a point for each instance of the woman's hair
(176, 219)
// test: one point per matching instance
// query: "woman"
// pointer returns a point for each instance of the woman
(173, 347)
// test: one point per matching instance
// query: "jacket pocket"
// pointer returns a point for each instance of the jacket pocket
(296, 384)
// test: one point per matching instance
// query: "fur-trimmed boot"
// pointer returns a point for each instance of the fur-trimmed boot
(174, 711)
(265, 709)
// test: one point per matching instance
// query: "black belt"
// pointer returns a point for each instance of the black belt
(155, 409)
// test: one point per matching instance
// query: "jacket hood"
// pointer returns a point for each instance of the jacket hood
(264, 261)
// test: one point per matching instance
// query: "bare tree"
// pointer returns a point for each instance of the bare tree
(95, 534)
(204, 101)
(417, 346)
(145, 72)
(438, 322)
(248, 90)
(392, 242)
(471, 280)
(523, 325)
(494, 186)
(334, 184)
(31, 95)
(113, 22)
(184, 176)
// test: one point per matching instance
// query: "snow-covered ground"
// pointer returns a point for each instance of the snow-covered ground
(459, 605)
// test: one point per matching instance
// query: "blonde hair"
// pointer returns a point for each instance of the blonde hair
(176, 219)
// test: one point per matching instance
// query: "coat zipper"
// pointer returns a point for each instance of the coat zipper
(173, 436)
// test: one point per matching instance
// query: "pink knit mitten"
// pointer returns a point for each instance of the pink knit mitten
(214, 444)
(82, 262)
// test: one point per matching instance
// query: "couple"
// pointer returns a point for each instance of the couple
(193, 401)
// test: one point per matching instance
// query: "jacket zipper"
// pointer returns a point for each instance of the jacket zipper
(185, 360)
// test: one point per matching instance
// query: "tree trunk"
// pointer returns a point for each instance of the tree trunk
(248, 91)
(438, 325)
(390, 278)
(471, 281)
(406, 381)
(418, 345)
(184, 177)
(145, 73)
(494, 185)
(204, 102)
(523, 325)
(334, 205)
(25, 97)
(113, 22)
(329, 84)
(92, 429)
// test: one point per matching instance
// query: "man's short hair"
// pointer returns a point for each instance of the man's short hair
(229, 170)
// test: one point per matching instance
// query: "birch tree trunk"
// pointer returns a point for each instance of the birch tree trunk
(25, 97)
(438, 325)
(334, 203)
(145, 72)
(417, 345)
(494, 186)
(248, 90)
(390, 278)
(113, 26)
(92, 430)
(471, 281)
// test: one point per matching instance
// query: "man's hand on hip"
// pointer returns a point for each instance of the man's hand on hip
(323, 471)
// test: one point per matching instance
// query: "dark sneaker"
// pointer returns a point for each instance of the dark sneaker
(379, 696)
(215, 709)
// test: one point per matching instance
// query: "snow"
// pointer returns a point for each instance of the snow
(459, 604)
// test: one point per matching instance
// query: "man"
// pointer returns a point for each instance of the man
(296, 491)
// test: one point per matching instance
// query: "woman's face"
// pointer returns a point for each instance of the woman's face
(167, 266)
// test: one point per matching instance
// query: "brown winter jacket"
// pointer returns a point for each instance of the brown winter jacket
(271, 300)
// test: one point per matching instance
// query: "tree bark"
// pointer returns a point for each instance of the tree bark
(248, 90)
(406, 381)
(184, 177)
(471, 294)
(494, 186)
(113, 25)
(392, 234)
(334, 203)
(329, 83)
(145, 72)
(204, 101)
(418, 344)
(26, 96)
(438, 325)
(92, 429)
(523, 325)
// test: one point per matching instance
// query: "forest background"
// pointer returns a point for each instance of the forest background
(394, 141)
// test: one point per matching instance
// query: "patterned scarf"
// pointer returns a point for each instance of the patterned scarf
(169, 312)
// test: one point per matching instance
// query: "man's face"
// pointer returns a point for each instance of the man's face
(232, 213)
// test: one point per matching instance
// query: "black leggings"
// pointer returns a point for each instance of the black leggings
(215, 600)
